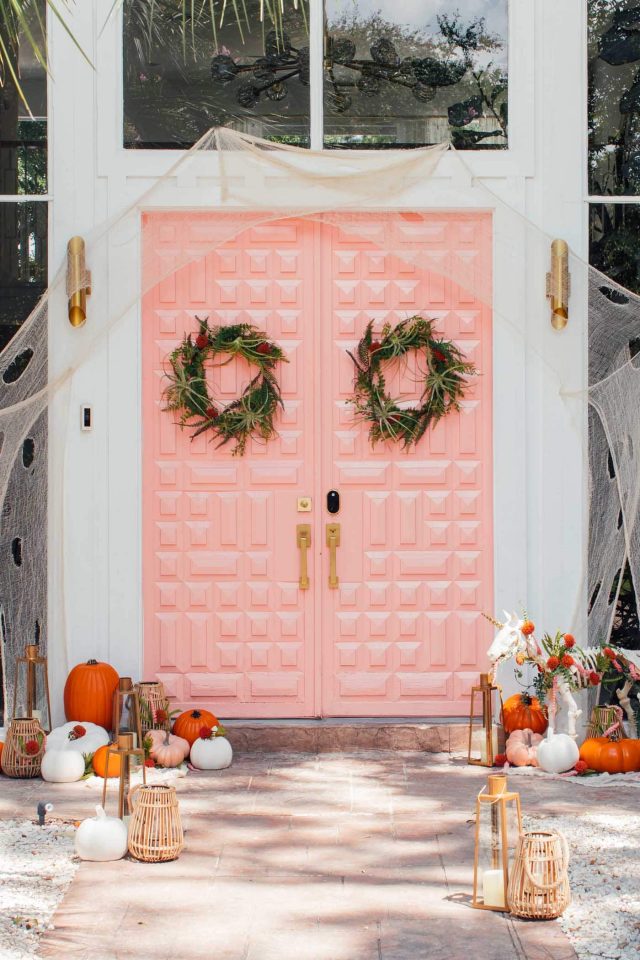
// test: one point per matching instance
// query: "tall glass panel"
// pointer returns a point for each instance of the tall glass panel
(614, 97)
(416, 73)
(614, 242)
(189, 67)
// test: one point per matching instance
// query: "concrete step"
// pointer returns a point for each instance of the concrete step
(442, 735)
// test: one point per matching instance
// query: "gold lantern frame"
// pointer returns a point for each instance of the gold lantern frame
(124, 750)
(485, 689)
(497, 797)
(27, 669)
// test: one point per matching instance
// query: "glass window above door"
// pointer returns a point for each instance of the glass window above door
(395, 75)
(415, 73)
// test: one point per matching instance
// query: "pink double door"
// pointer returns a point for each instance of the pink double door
(390, 623)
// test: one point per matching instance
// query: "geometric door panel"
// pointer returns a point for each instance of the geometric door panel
(225, 623)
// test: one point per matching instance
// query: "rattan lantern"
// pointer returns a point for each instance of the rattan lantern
(31, 687)
(605, 719)
(126, 756)
(484, 709)
(155, 828)
(498, 827)
(23, 748)
(154, 706)
(126, 710)
(539, 882)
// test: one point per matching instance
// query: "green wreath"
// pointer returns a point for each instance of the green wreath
(251, 414)
(444, 375)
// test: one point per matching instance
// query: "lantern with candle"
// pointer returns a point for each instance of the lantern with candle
(485, 706)
(31, 688)
(125, 757)
(498, 827)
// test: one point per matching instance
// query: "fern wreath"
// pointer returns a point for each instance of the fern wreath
(444, 372)
(187, 393)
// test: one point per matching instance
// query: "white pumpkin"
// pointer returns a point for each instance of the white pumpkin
(63, 738)
(101, 838)
(557, 753)
(62, 766)
(214, 754)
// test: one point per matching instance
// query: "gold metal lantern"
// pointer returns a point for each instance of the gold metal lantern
(126, 757)
(31, 688)
(485, 710)
(498, 828)
(126, 710)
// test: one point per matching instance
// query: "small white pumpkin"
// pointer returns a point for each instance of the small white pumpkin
(66, 737)
(62, 766)
(101, 838)
(557, 753)
(213, 754)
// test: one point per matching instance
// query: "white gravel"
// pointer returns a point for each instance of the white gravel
(37, 865)
(603, 920)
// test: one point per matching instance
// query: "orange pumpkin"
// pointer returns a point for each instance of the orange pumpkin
(99, 762)
(611, 756)
(189, 724)
(88, 693)
(523, 712)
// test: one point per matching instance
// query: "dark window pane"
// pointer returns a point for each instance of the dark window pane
(614, 97)
(23, 132)
(183, 76)
(614, 229)
(413, 74)
(23, 262)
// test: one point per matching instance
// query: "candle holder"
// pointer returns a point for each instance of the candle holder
(123, 752)
(126, 710)
(24, 748)
(154, 706)
(485, 706)
(31, 688)
(498, 828)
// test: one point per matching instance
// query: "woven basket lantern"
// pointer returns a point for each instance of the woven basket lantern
(603, 718)
(17, 760)
(153, 697)
(539, 881)
(155, 828)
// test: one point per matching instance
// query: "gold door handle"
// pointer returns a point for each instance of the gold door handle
(333, 542)
(303, 540)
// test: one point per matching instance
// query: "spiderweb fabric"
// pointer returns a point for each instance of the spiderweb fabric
(247, 182)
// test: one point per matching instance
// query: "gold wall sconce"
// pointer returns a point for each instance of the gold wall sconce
(559, 284)
(78, 282)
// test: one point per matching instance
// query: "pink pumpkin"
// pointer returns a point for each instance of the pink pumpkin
(167, 749)
(522, 748)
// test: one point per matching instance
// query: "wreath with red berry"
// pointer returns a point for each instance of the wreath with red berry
(187, 393)
(444, 376)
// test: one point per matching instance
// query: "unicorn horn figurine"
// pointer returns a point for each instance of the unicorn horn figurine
(509, 640)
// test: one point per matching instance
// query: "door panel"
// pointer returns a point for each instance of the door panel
(401, 635)
(225, 623)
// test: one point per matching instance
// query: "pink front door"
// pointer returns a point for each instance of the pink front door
(225, 623)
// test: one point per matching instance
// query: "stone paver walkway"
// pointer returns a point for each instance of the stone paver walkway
(329, 857)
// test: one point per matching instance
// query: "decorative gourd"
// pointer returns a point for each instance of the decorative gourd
(101, 838)
(70, 737)
(523, 712)
(168, 750)
(213, 754)
(62, 766)
(522, 748)
(611, 756)
(99, 763)
(189, 724)
(558, 753)
(88, 693)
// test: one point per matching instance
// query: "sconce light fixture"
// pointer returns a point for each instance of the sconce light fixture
(559, 284)
(78, 282)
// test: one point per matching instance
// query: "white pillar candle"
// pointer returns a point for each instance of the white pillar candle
(493, 888)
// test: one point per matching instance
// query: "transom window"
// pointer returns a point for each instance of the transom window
(368, 74)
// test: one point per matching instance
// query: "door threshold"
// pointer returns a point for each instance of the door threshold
(348, 734)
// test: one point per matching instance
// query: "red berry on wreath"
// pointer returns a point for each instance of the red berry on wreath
(31, 748)
(438, 355)
(202, 341)
(211, 413)
(374, 345)
(264, 349)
